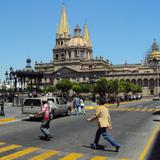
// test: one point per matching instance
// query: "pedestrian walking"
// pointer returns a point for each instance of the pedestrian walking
(104, 124)
(76, 104)
(45, 126)
(118, 101)
(81, 105)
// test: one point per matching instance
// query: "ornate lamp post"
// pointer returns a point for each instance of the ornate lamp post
(58, 76)
(6, 75)
(13, 79)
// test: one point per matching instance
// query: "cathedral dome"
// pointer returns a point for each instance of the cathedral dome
(77, 42)
(154, 55)
(155, 52)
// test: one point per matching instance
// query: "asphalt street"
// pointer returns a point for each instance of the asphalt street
(133, 127)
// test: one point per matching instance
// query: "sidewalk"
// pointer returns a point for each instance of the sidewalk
(122, 104)
(11, 113)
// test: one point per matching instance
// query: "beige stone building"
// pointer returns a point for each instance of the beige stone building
(73, 59)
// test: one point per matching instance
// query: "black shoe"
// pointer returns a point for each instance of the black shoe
(50, 136)
(93, 146)
(47, 138)
(117, 148)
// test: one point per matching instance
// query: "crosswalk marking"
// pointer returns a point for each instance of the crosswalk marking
(134, 109)
(44, 155)
(138, 109)
(144, 109)
(123, 109)
(4, 120)
(72, 156)
(7, 148)
(1, 143)
(19, 153)
(149, 110)
(99, 158)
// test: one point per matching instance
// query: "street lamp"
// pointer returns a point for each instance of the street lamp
(58, 76)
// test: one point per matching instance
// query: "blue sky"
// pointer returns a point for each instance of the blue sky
(120, 30)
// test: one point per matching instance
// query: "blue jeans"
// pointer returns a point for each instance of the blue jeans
(76, 109)
(106, 136)
(45, 128)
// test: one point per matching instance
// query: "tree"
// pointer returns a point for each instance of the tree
(64, 86)
(76, 87)
(101, 86)
(136, 88)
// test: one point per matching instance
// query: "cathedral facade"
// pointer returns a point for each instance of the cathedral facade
(73, 59)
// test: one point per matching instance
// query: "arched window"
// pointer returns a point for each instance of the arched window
(56, 56)
(133, 81)
(151, 82)
(69, 54)
(82, 54)
(139, 82)
(62, 56)
(127, 80)
(145, 82)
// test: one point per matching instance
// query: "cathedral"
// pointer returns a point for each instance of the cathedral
(73, 60)
(72, 56)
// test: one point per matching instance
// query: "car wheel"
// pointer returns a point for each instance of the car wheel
(51, 115)
(68, 113)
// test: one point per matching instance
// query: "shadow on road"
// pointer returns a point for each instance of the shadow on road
(100, 147)
(155, 152)
(156, 113)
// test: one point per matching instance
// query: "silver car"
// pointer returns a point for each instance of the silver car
(57, 105)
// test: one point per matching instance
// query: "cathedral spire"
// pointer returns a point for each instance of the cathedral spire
(155, 46)
(86, 35)
(63, 27)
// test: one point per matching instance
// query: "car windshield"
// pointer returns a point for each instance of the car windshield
(50, 99)
(32, 102)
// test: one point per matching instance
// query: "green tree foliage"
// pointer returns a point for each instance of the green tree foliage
(136, 88)
(81, 87)
(64, 85)
(101, 86)
(49, 89)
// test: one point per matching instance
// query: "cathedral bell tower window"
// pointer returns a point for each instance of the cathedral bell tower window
(81, 54)
(56, 57)
(76, 53)
(62, 56)
(69, 53)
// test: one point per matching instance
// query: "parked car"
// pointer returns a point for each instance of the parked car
(57, 104)
(156, 98)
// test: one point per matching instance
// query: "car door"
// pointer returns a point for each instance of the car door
(52, 102)
(62, 105)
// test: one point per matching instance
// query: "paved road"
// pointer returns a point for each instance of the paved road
(133, 126)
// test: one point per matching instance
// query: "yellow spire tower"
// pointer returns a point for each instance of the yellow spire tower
(63, 27)
(86, 35)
